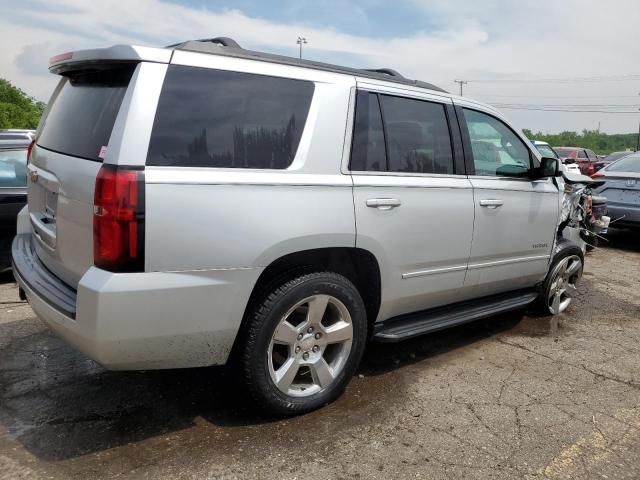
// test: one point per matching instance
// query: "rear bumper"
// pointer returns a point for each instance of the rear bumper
(138, 321)
(624, 214)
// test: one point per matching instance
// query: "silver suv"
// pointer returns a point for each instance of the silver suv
(203, 204)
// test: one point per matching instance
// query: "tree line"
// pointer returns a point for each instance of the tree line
(17, 109)
(601, 143)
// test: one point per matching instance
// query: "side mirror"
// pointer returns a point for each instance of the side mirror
(549, 167)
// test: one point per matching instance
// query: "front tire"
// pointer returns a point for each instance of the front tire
(304, 343)
(561, 284)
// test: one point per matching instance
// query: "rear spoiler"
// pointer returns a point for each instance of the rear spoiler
(118, 53)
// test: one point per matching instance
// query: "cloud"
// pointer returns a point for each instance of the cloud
(465, 39)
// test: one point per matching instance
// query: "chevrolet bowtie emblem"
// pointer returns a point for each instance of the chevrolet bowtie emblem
(33, 175)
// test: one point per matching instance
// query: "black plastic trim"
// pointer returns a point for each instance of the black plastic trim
(28, 269)
(416, 324)
(456, 140)
(466, 141)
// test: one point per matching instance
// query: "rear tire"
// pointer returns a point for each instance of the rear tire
(304, 342)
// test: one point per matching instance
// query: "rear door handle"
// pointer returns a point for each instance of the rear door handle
(491, 203)
(383, 203)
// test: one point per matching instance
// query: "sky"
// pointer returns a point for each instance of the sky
(531, 59)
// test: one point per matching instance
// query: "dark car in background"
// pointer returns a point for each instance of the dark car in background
(13, 190)
(585, 158)
(612, 157)
(622, 189)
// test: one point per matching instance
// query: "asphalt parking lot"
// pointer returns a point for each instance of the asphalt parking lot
(515, 396)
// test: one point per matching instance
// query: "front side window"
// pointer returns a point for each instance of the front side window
(216, 118)
(582, 154)
(415, 137)
(497, 150)
(13, 168)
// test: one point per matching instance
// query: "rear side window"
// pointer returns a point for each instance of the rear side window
(368, 151)
(83, 110)
(13, 168)
(415, 137)
(215, 118)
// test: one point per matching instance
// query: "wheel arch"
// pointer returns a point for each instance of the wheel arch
(357, 265)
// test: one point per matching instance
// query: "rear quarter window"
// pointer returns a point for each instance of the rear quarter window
(215, 118)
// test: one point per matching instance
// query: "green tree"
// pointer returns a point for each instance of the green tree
(17, 109)
(601, 143)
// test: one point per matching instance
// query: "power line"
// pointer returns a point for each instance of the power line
(508, 107)
(609, 78)
(570, 105)
(554, 96)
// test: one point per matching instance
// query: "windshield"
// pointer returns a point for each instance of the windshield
(630, 163)
(13, 168)
(546, 151)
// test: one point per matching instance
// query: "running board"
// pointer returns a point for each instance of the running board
(415, 324)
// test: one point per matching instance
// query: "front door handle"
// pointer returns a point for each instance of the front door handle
(383, 203)
(491, 203)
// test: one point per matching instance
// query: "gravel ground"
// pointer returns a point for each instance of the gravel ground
(514, 396)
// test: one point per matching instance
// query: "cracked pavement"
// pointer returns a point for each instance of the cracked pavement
(514, 396)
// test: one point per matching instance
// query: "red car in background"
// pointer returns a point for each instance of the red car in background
(585, 158)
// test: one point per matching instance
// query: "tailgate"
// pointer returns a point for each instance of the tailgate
(70, 144)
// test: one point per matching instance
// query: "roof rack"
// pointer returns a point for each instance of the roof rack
(229, 47)
(386, 71)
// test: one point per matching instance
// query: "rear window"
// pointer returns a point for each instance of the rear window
(565, 152)
(630, 163)
(215, 118)
(13, 168)
(83, 110)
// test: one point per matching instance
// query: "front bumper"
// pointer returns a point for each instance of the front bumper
(139, 321)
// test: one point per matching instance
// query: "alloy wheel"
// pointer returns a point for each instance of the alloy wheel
(310, 346)
(563, 286)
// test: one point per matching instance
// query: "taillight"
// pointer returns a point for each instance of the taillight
(29, 150)
(118, 219)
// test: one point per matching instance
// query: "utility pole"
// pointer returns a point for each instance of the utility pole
(461, 82)
(300, 41)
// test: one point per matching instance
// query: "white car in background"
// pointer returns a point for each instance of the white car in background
(547, 151)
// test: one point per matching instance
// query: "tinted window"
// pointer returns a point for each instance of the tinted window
(214, 118)
(13, 168)
(82, 111)
(417, 136)
(368, 150)
(581, 154)
(591, 154)
(630, 163)
(497, 150)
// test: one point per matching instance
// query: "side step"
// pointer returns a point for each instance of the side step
(415, 324)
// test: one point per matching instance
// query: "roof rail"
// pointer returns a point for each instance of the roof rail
(224, 41)
(229, 47)
(386, 71)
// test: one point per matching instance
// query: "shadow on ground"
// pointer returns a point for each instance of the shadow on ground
(61, 405)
